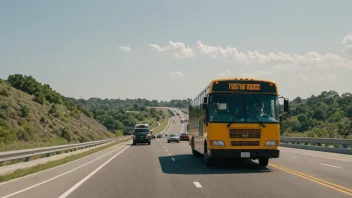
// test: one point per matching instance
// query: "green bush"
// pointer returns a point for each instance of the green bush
(4, 92)
(6, 136)
(3, 114)
(23, 135)
(25, 111)
(30, 129)
(118, 133)
(66, 135)
(76, 114)
(39, 99)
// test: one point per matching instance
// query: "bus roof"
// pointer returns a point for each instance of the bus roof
(244, 79)
(142, 126)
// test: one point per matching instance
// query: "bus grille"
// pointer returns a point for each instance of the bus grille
(245, 133)
(245, 143)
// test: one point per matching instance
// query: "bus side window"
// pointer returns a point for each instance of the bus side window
(200, 127)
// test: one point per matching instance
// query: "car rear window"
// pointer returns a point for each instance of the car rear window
(184, 134)
(172, 135)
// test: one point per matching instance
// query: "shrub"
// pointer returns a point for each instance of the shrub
(23, 135)
(66, 135)
(4, 92)
(39, 99)
(118, 133)
(25, 111)
(12, 114)
(6, 135)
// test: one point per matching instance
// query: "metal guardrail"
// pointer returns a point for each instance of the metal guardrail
(28, 153)
(316, 144)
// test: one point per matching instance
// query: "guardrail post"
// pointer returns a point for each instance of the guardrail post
(28, 159)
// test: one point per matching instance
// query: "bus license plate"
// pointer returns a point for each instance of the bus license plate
(245, 154)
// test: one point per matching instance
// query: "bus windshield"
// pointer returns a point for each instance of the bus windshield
(249, 108)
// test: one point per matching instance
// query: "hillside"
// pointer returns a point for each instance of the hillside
(34, 115)
(25, 123)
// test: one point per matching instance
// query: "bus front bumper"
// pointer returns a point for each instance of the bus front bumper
(236, 153)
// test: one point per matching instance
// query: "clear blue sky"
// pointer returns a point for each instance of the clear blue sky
(171, 49)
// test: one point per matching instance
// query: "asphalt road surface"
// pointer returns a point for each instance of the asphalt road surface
(169, 170)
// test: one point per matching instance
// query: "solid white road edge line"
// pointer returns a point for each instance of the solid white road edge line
(46, 181)
(69, 191)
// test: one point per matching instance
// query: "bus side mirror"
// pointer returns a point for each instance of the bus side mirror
(187, 127)
(205, 103)
(286, 106)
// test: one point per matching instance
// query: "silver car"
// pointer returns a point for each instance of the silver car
(173, 138)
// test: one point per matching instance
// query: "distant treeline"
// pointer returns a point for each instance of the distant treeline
(326, 115)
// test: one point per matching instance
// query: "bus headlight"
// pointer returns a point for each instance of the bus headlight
(270, 143)
(218, 143)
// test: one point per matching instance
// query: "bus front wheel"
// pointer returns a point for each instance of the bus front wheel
(207, 159)
(263, 161)
(194, 152)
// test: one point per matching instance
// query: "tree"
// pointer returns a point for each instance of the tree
(319, 114)
(292, 123)
(302, 118)
(297, 100)
(349, 111)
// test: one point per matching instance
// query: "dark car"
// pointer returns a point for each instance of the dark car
(159, 136)
(173, 138)
(142, 135)
(184, 136)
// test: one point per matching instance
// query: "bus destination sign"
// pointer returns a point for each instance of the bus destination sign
(244, 86)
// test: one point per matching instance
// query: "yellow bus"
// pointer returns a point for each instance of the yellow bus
(236, 118)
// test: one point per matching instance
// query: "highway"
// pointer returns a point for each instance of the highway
(169, 170)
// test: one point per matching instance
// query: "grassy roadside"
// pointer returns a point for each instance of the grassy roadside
(41, 167)
(163, 123)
